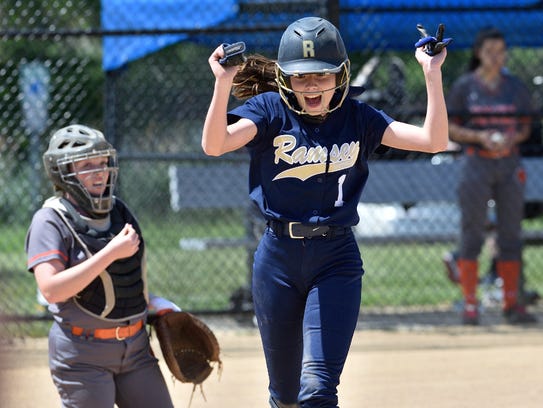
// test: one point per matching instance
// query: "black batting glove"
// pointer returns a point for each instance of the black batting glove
(432, 45)
(233, 54)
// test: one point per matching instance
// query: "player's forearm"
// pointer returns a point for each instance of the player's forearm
(463, 134)
(214, 132)
(62, 285)
(436, 123)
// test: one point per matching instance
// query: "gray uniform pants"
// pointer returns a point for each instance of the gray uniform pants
(502, 180)
(91, 373)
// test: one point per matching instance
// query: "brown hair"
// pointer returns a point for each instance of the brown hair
(255, 76)
(488, 33)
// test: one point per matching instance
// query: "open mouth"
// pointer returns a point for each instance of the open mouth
(98, 187)
(313, 102)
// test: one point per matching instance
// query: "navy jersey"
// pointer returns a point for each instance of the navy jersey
(471, 103)
(308, 172)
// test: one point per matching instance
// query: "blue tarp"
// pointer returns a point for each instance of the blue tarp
(391, 23)
(365, 24)
(133, 15)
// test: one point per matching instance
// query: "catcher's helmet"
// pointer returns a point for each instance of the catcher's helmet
(74, 143)
(312, 45)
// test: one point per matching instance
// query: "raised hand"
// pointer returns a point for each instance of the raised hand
(432, 45)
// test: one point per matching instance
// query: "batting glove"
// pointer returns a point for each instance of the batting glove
(432, 45)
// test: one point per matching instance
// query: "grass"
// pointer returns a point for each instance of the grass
(397, 275)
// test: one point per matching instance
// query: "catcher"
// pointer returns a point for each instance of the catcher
(86, 251)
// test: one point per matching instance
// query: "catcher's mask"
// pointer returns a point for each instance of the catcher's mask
(70, 145)
(312, 45)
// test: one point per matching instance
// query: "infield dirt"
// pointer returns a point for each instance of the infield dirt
(498, 366)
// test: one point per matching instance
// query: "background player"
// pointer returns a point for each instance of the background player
(491, 169)
(309, 144)
(87, 254)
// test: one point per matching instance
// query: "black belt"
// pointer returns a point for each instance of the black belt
(297, 230)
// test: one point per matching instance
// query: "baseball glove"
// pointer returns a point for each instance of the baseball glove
(188, 346)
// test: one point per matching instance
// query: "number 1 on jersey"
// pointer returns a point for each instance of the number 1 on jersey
(339, 200)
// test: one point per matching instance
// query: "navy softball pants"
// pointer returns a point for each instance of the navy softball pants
(307, 296)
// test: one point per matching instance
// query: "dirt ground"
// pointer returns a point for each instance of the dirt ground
(494, 366)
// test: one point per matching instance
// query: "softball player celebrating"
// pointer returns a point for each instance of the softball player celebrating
(87, 255)
(309, 144)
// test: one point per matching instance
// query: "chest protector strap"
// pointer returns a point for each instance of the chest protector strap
(105, 277)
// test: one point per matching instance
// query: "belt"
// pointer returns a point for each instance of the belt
(297, 230)
(119, 332)
(490, 154)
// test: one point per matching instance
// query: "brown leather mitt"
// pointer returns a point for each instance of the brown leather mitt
(188, 345)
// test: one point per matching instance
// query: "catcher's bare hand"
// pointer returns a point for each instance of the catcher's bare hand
(126, 243)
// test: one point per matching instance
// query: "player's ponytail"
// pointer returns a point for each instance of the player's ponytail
(255, 76)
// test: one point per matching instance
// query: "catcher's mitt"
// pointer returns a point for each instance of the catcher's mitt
(188, 346)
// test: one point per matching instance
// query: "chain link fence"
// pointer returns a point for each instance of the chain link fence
(138, 70)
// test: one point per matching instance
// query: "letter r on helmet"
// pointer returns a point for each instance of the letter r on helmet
(309, 49)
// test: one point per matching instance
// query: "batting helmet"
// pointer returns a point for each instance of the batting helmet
(312, 45)
(72, 144)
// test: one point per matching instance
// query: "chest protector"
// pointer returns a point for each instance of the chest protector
(126, 276)
(119, 292)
